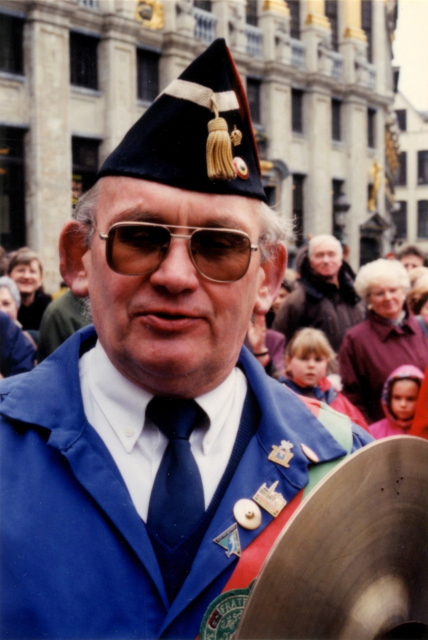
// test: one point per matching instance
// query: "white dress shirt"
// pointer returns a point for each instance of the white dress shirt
(116, 408)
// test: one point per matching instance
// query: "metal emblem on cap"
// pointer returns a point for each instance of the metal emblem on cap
(309, 453)
(247, 514)
(241, 168)
(236, 137)
(229, 540)
(273, 502)
(282, 454)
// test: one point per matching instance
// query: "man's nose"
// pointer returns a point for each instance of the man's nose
(177, 273)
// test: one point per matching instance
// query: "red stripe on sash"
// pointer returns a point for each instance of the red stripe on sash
(254, 555)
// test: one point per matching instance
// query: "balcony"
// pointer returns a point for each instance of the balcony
(297, 53)
(337, 65)
(90, 4)
(205, 23)
(254, 37)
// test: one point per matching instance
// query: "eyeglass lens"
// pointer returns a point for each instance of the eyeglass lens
(218, 255)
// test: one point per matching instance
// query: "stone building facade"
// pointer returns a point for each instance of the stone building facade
(75, 74)
(410, 213)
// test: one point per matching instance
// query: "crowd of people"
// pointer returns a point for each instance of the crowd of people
(348, 336)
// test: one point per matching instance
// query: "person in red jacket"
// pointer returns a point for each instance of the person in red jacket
(309, 356)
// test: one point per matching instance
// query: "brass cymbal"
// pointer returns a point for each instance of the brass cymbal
(352, 563)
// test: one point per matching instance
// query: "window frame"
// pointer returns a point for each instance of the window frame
(401, 118)
(14, 65)
(371, 128)
(400, 223)
(401, 176)
(256, 112)
(147, 54)
(422, 209)
(87, 77)
(423, 167)
(336, 120)
(297, 111)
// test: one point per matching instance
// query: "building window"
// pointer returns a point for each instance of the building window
(402, 119)
(422, 167)
(294, 6)
(253, 93)
(401, 180)
(298, 208)
(251, 12)
(11, 44)
(336, 125)
(371, 128)
(399, 218)
(331, 11)
(367, 25)
(83, 60)
(205, 5)
(147, 75)
(85, 165)
(297, 111)
(12, 188)
(423, 219)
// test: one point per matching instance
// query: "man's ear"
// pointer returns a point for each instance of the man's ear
(72, 248)
(274, 269)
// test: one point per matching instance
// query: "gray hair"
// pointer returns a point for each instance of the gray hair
(10, 285)
(274, 229)
(370, 274)
(324, 237)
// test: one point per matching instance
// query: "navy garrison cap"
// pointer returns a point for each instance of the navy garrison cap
(197, 134)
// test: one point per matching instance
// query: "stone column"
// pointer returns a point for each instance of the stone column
(275, 24)
(316, 35)
(318, 217)
(354, 45)
(117, 81)
(48, 157)
(357, 174)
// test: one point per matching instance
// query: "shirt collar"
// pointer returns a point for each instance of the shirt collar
(124, 403)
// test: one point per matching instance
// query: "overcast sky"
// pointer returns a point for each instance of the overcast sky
(411, 51)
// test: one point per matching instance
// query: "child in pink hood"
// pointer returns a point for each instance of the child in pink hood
(399, 397)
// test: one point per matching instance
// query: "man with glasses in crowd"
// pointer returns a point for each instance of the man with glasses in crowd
(146, 456)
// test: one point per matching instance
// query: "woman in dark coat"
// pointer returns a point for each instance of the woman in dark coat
(390, 337)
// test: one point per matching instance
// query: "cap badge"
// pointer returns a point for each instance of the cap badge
(241, 168)
(236, 137)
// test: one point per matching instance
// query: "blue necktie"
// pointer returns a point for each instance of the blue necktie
(177, 498)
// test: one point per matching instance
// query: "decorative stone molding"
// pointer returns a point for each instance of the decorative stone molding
(276, 6)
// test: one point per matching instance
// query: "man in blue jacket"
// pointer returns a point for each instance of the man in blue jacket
(145, 456)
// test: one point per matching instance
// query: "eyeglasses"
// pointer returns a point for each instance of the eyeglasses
(137, 248)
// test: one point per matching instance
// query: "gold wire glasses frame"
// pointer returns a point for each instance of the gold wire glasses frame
(228, 262)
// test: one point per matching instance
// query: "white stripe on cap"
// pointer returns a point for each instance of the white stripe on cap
(203, 96)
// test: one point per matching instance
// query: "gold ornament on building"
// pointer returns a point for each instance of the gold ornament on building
(150, 13)
(276, 6)
(376, 174)
(391, 150)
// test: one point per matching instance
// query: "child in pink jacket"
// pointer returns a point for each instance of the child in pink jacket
(399, 397)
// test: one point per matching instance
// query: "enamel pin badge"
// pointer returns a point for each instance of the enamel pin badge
(271, 501)
(229, 540)
(282, 454)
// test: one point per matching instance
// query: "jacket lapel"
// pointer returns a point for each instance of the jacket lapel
(71, 434)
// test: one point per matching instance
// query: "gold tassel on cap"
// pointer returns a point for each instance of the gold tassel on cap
(219, 149)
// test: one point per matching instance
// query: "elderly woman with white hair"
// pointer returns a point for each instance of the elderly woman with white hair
(390, 336)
